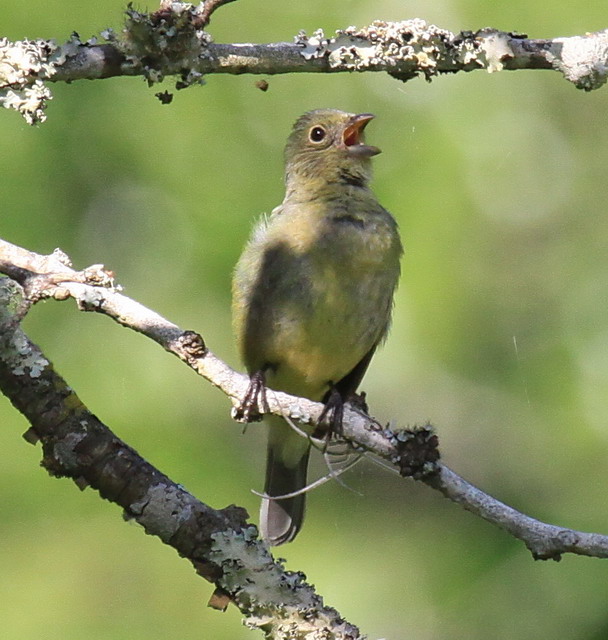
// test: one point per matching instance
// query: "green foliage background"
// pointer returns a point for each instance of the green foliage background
(500, 335)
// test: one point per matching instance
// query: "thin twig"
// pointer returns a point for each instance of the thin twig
(333, 474)
(210, 6)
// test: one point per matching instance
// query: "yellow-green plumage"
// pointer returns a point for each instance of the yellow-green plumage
(313, 289)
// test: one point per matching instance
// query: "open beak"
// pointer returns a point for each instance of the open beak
(352, 137)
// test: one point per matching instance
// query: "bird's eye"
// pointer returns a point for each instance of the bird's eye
(317, 134)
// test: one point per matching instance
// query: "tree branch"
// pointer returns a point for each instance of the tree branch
(172, 42)
(412, 452)
(221, 545)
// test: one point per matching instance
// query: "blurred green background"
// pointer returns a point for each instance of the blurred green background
(500, 334)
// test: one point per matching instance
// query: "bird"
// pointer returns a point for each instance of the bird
(313, 293)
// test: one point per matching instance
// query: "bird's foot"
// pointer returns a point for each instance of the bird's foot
(330, 420)
(254, 403)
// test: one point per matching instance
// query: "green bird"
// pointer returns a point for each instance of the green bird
(313, 292)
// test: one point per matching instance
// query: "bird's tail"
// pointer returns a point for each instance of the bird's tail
(280, 520)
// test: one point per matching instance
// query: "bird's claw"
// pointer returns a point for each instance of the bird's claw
(330, 420)
(254, 404)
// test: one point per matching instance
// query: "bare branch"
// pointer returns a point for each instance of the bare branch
(172, 42)
(410, 451)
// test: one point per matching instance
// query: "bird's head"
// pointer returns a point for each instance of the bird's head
(326, 148)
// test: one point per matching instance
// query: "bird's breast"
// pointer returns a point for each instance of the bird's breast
(322, 295)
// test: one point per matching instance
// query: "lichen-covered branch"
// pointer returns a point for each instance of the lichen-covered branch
(173, 42)
(413, 452)
(221, 545)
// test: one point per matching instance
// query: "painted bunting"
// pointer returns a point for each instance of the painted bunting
(313, 291)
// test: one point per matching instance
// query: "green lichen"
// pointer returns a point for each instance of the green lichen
(159, 43)
(276, 601)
